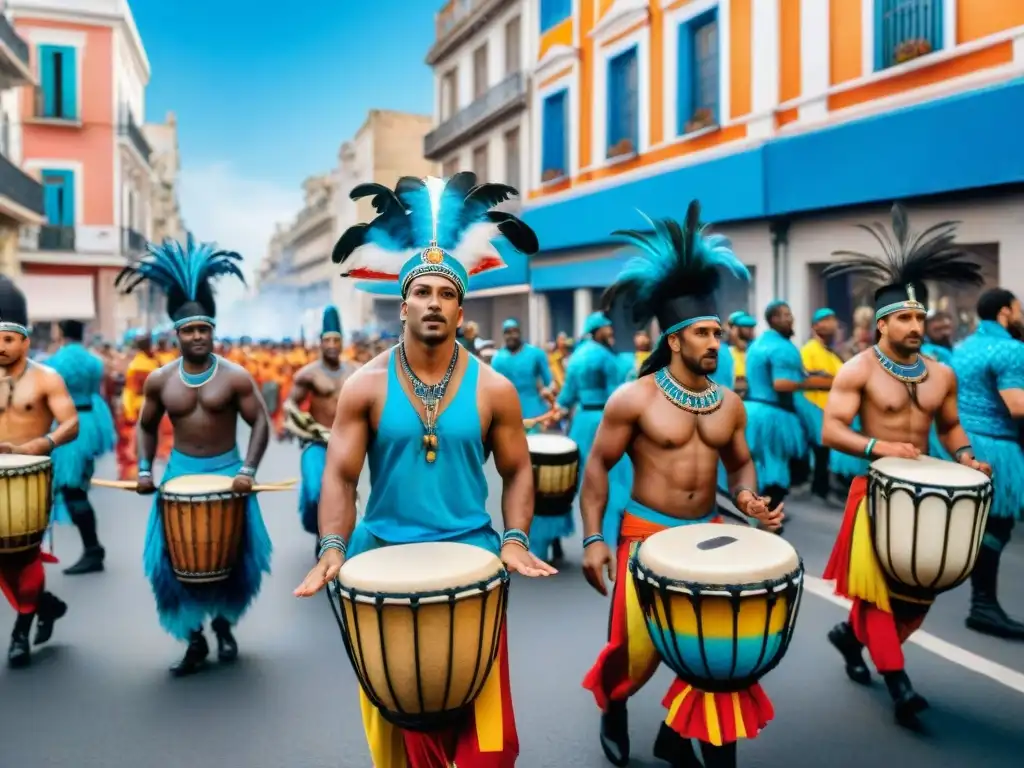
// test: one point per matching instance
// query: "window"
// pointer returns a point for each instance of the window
(58, 82)
(449, 94)
(480, 71)
(554, 12)
(450, 167)
(623, 105)
(513, 47)
(512, 159)
(480, 162)
(906, 29)
(59, 198)
(555, 137)
(698, 73)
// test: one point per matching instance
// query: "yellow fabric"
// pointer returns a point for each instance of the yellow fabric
(489, 713)
(677, 702)
(387, 749)
(817, 357)
(166, 357)
(641, 358)
(711, 719)
(642, 656)
(739, 362)
(866, 580)
(737, 716)
(134, 379)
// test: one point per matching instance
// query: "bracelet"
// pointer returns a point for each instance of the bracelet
(144, 473)
(51, 441)
(516, 536)
(962, 450)
(592, 539)
(741, 489)
(870, 447)
(247, 470)
(332, 541)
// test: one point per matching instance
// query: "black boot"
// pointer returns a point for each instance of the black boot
(842, 638)
(557, 555)
(674, 749)
(195, 655)
(615, 734)
(986, 615)
(227, 646)
(50, 609)
(19, 655)
(91, 561)
(908, 702)
(718, 757)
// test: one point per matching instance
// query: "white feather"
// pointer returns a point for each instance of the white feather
(371, 256)
(475, 245)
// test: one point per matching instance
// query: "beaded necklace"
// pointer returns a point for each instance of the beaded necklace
(196, 380)
(706, 401)
(914, 373)
(430, 395)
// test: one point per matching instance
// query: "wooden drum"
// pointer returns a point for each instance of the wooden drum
(203, 526)
(928, 518)
(556, 466)
(26, 496)
(422, 626)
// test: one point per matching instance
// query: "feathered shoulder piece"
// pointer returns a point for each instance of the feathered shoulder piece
(676, 274)
(431, 225)
(907, 262)
(184, 275)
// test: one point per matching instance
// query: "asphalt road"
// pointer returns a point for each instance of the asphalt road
(99, 695)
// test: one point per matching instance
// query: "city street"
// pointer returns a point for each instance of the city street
(99, 695)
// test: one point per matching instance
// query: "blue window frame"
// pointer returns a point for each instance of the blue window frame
(913, 25)
(554, 12)
(555, 135)
(623, 100)
(59, 197)
(698, 65)
(58, 82)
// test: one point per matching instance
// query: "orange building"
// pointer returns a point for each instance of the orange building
(81, 138)
(789, 119)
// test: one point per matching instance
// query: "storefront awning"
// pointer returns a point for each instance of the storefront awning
(59, 297)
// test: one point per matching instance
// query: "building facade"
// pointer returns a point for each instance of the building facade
(82, 138)
(165, 210)
(789, 119)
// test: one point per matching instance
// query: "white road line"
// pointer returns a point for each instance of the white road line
(954, 653)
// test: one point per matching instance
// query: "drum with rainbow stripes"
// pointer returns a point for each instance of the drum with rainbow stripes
(720, 601)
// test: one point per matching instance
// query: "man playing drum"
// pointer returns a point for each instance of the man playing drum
(204, 395)
(675, 424)
(425, 414)
(897, 393)
(32, 398)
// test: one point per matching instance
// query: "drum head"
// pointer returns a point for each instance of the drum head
(408, 569)
(927, 470)
(198, 485)
(21, 461)
(715, 554)
(551, 444)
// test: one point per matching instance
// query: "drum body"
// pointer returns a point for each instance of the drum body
(556, 466)
(927, 521)
(422, 626)
(26, 497)
(204, 522)
(720, 601)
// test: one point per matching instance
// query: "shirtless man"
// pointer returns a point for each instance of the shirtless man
(676, 425)
(898, 394)
(320, 381)
(32, 398)
(204, 395)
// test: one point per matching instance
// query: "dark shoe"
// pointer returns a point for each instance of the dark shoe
(51, 608)
(557, 555)
(674, 749)
(908, 702)
(19, 655)
(91, 561)
(195, 656)
(842, 638)
(615, 734)
(227, 646)
(988, 617)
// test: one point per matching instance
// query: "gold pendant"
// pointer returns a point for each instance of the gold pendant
(431, 457)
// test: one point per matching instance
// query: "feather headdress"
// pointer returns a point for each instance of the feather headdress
(908, 262)
(331, 324)
(13, 308)
(184, 275)
(431, 226)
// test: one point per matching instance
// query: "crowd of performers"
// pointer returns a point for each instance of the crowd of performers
(709, 407)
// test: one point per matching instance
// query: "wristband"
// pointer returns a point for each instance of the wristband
(247, 470)
(593, 539)
(51, 441)
(516, 536)
(962, 450)
(332, 541)
(870, 447)
(144, 473)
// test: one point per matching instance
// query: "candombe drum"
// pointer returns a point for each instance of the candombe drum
(927, 521)
(204, 521)
(422, 626)
(26, 497)
(556, 466)
(720, 601)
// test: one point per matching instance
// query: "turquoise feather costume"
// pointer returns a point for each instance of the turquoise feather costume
(524, 368)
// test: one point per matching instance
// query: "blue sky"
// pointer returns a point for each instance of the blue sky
(265, 93)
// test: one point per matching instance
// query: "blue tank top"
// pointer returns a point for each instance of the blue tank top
(411, 500)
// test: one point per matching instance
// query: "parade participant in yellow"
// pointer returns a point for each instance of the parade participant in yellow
(166, 353)
(141, 366)
(741, 332)
(821, 363)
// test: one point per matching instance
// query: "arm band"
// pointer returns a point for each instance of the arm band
(870, 447)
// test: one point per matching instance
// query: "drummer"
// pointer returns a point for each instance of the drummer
(204, 395)
(320, 382)
(427, 481)
(33, 398)
(676, 424)
(897, 393)
(526, 366)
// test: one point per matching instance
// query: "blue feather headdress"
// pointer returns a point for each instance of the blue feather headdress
(431, 226)
(331, 325)
(184, 274)
(675, 277)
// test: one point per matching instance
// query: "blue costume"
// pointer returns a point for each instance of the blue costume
(185, 276)
(74, 463)
(725, 376)
(524, 367)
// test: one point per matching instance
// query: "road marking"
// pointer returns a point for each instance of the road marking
(946, 650)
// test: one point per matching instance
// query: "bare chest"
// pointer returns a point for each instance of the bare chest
(669, 427)
(24, 413)
(888, 396)
(325, 386)
(179, 399)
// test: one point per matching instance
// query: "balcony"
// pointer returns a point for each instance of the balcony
(94, 245)
(21, 196)
(134, 138)
(457, 22)
(55, 238)
(133, 243)
(498, 103)
(14, 61)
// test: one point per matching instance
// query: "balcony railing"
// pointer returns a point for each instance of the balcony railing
(19, 187)
(55, 238)
(134, 134)
(132, 242)
(13, 41)
(456, 21)
(499, 100)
